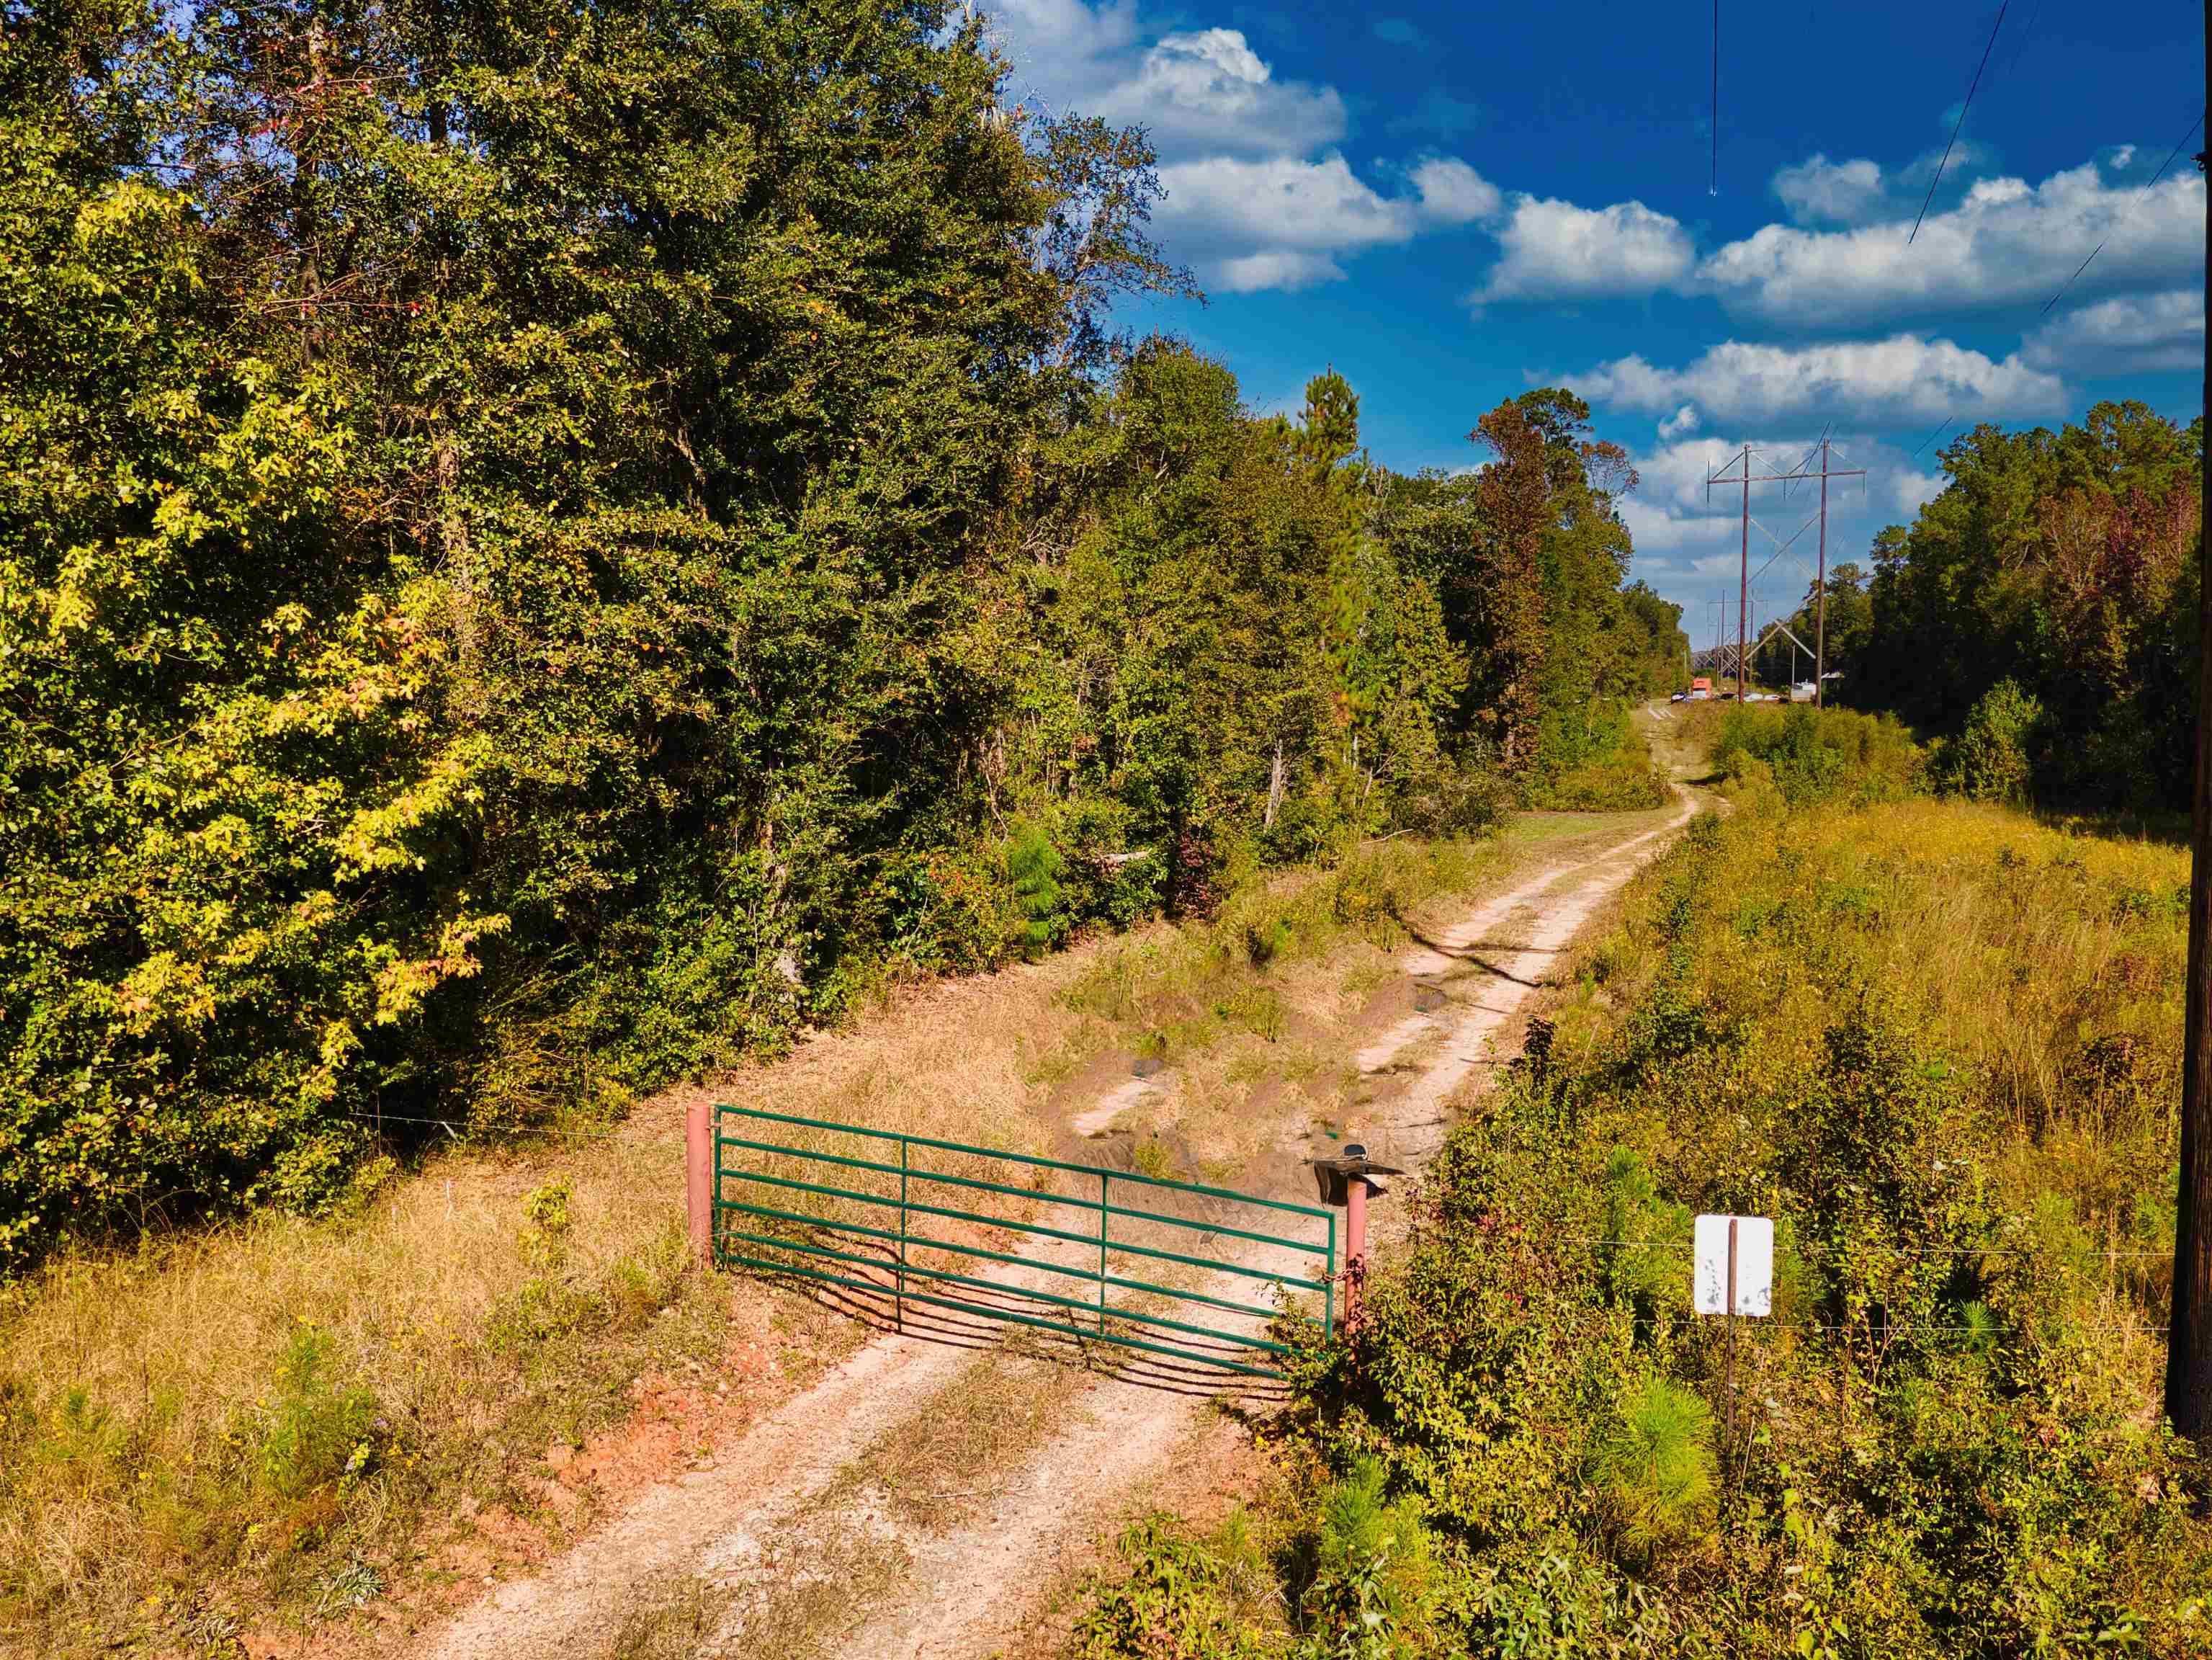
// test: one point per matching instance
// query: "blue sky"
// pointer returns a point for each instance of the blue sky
(1451, 205)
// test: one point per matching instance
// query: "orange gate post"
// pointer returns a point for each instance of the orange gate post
(699, 1180)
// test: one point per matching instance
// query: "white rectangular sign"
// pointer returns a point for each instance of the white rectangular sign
(1754, 1265)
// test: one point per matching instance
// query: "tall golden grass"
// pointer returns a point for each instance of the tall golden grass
(2046, 961)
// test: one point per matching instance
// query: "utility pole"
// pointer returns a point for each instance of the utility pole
(1821, 581)
(2188, 1331)
(1743, 570)
(1820, 586)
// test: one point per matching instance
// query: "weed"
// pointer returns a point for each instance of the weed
(1154, 1158)
(938, 1466)
(316, 1433)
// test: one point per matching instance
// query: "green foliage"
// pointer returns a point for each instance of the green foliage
(1616, 774)
(2065, 565)
(1948, 1438)
(1992, 758)
(1655, 1466)
(1376, 1593)
(1033, 868)
(1526, 557)
(1180, 1599)
(557, 560)
(314, 1432)
(1811, 755)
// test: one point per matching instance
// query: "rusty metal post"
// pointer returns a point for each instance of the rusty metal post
(699, 1180)
(1355, 1244)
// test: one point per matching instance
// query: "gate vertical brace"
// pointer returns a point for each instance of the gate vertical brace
(902, 1266)
(1102, 1179)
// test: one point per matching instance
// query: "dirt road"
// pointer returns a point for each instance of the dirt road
(919, 1498)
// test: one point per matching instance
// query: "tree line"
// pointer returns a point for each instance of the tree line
(2037, 617)
(542, 548)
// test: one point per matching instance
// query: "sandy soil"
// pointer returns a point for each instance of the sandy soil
(804, 1553)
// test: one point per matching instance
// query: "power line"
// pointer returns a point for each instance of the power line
(2026, 34)
(1931, 437)
(2126, 213)
(1713, 184)
(452, 1126)
(1961, 121)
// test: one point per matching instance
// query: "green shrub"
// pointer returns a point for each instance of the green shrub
(1655, 1465)
(1033, 869)
(1178, 1598)
(1820, 754)
(315, 1433)
(1376, 1592)
(1993, 758)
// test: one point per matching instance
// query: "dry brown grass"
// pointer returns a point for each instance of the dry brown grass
(942, 1465)
(162, 1483)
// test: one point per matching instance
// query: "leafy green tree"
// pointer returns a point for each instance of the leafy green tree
(2065, 563)
(541, 550)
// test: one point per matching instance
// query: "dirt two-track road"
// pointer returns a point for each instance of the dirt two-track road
(791, 1543)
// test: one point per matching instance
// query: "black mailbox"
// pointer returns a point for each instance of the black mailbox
(1334, 1176)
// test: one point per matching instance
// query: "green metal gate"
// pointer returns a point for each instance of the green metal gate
(876, 1224)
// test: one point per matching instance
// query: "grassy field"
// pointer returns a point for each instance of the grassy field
(272, 1425)
(1939, 1042)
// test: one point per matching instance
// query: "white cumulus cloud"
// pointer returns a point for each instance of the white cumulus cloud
(1817, 191)
(1258, 194)
(2006, 244)
(1554, 250)
(1279, 222)
(2128, 334)
(1453, 193)
(1903, 380)
(1209, 93)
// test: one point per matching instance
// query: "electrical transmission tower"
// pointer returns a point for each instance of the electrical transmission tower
(1739, 472)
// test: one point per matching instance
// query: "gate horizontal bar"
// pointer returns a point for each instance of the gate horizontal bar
(1023, 1158)
(970, 1181)
(1037, 1228)
(1114, 1281)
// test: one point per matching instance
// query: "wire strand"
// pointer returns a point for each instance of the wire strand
(1713, 183)
(457, 1124)
(1932, 437)
(1814, 1252)
(2126, 213)
(1959, 124)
